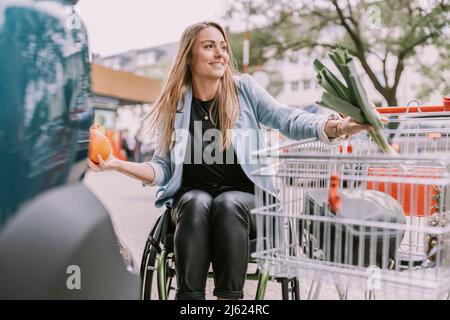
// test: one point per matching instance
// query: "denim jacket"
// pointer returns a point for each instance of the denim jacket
(256, 106)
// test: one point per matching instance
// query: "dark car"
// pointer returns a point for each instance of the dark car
(44, 92)
(56, 239)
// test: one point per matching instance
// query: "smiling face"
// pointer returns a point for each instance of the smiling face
(209, 55)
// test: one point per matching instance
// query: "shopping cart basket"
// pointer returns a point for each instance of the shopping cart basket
(359, 218)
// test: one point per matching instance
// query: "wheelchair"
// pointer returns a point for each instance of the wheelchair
(158, 264)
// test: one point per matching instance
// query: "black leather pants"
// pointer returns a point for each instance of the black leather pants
(213, 230)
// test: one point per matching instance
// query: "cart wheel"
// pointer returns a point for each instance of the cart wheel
(290, 288)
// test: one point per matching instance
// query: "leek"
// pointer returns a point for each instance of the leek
(350, 98)
(344, 107)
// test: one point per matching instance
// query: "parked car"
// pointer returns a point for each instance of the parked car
(44, 92)
(56, 238)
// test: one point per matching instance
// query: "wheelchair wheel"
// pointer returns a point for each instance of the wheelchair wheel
(154, 248)
(157, 274)
(148, 269)
(165, 272)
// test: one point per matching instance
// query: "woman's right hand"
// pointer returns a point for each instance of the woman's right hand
(112, 163)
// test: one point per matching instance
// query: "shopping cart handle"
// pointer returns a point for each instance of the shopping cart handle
(334, 199)
(445, 107)
(415, 109)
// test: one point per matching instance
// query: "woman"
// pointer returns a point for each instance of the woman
(207, 118)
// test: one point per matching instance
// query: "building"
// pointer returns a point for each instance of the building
(121, 99)
(151, 62)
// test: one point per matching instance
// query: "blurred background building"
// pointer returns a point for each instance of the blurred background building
(120, 100)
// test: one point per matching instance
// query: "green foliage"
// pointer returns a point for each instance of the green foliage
(436, 75)
(390, 31)
(259, 41)
(349, 98)
(259, 45)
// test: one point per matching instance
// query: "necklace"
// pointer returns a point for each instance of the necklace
(205, 114)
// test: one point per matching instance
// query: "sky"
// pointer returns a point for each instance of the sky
(120, 25)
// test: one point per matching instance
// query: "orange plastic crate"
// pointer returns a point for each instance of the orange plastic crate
(416, 199)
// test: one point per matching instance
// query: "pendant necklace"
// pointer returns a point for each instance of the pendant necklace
(203, 111)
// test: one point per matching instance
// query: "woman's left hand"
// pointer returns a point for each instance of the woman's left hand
(349, 126)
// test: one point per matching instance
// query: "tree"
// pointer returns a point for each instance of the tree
(257, 56)
(379, 34)
(438, 73)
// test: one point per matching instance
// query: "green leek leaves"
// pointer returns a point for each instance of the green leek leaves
(350, 98)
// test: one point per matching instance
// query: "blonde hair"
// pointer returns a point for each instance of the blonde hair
(226, 108)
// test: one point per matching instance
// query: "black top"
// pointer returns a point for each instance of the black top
(205, 166)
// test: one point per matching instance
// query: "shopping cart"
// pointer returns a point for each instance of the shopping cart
(349, 215)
